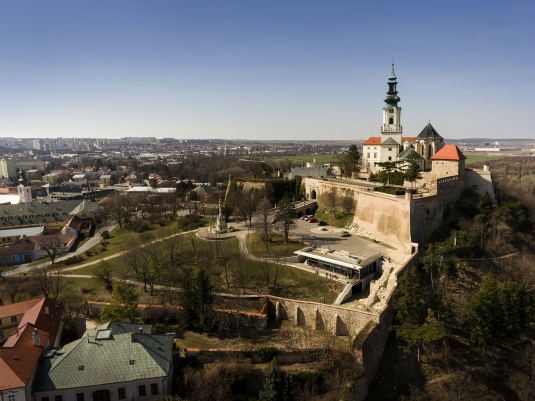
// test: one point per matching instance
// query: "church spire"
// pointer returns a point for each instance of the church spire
(392, 97)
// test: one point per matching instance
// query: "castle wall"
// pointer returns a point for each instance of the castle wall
(383, 217)
(429, 214)
(480, 182)
(333, 319)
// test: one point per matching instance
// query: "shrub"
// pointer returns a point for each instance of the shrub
(105, 234)
(73, 260)
(267, 353)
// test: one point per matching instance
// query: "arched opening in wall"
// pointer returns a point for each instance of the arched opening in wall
(429, 151)
(313, 194)
(391, 120)
(299, 214)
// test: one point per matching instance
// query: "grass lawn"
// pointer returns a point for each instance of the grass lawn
(479, 158)
(88, 288)
(284, 281)
(255, 276)
(274, 247)
(341, 220)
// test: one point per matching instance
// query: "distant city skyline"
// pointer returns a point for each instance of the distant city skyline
(300, 70)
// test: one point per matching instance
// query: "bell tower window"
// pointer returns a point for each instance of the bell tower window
(391, 120)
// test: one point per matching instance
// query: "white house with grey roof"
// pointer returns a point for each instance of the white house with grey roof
(114, 361)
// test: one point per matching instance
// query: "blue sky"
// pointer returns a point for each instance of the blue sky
(256, 69)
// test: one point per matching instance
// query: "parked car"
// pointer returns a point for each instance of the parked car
(306, 217)
(312, 220)
(344, 233)
(322, 223)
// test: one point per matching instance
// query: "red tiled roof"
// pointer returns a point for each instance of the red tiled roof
(20, 356)
(408, 138)
(373, 140)
(8, 379)
(39, 317)
(75, 223)
(449, 152)
(17, 309)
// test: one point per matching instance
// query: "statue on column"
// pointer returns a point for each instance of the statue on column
(221, 224)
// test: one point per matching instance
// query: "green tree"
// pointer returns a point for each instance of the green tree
(349, 161)
(484, 315)
(497, 315)
(123, 306)
(413, 171)
(515, 214)
(409, 299)
(390, 172)
(274, 385)
(196, 300)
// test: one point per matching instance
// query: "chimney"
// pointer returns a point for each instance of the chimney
(47, 310)
(132, 337)
(36, 338)
(140, 330)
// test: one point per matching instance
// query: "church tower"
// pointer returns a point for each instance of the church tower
(24, 192)
(391, 127)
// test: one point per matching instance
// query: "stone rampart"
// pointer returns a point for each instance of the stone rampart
(334, 319)
(479, 181)
(383, 217)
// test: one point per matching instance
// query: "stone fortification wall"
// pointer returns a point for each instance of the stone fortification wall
(384, 218)
(334, 319)
(479, 181)
(446, 168)
(315, 189)
(430, 211)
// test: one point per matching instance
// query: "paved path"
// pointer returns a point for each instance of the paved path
(25, 268)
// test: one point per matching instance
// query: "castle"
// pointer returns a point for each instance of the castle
(392, 146)
(405, 221)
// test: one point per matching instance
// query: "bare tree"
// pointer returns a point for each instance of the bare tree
(50, 280)
(53, 245)
(263, 208)
(330, 197)
(285, 213)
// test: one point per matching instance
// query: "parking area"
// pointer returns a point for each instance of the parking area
(329, 237)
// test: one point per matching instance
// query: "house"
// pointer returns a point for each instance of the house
(34, 326)
(28, 249)
(114, 361)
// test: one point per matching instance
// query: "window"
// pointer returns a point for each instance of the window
(58, 397)
(121, 392)
(142, 390)
(154, 389)
(391, 120)
(1, 332)
(368, 156)
(11, 397)
(390, 149)
(80, 397)
(389, 158)
(375, 155)
(14, 319)
(44, 398)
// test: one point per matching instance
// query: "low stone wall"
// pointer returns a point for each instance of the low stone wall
(92, 308)
(284, 357)
(334, 319)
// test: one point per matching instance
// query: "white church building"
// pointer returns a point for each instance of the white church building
(392, 146)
